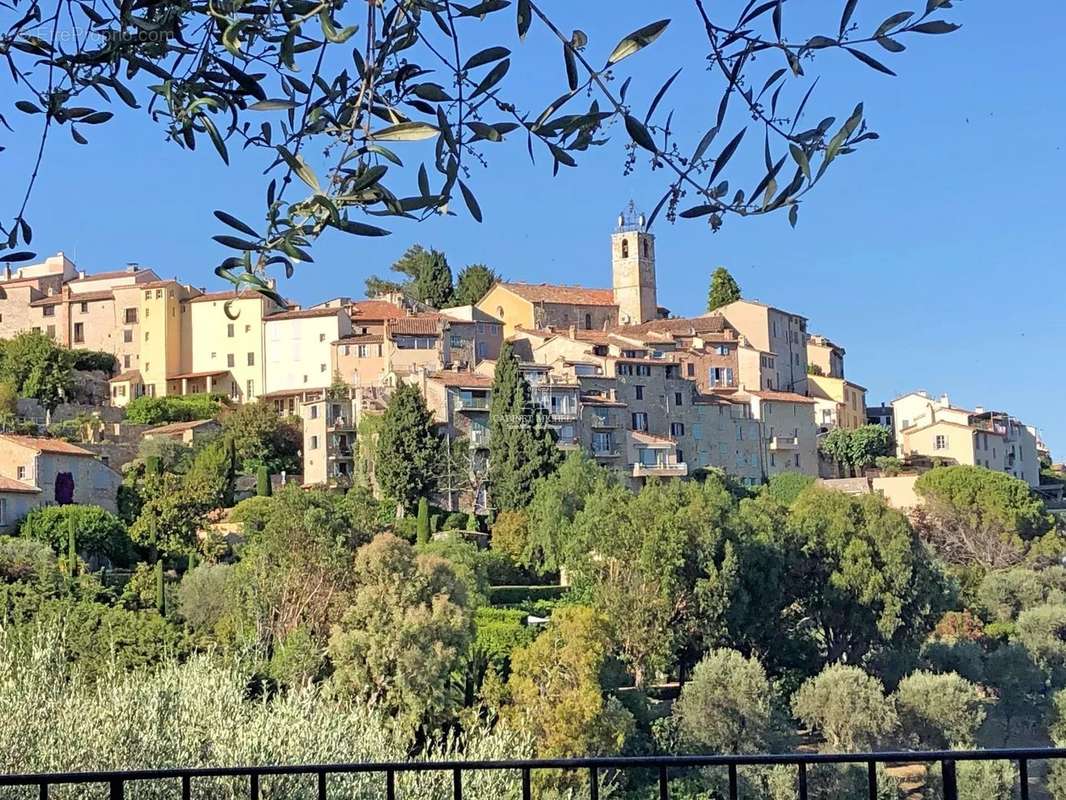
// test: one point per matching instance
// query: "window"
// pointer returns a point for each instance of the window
(588, 322)
(677, 399)
(158, 294)
(642, 370)
(231, 360)
(247, 328)
(251, 390)
(414, 342)
(20, 473)
(314, 412)
(690, 369)
(79, 332)
(321, 367)
(51, 331)
(126, 361)
(941, 442)
(640, 421)
(625, 248)
(722, 350)
(131, 316)
(639, 391)
(457, 341)
(148, 295)
(84, 308)
(772, 464)
(147, 366)
(251, 359)
(314, 442)
(229, 330)
(644, 247)
(677, 428)
(601, 442)
(740, 434)
(49, 311)
(797, 459)
(321, 337)
(3, 511)
(680, 456)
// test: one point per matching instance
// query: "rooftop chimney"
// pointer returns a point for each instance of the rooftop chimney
(944, 400)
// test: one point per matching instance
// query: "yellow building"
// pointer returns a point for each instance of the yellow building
(164, 331)
(227, 345)
(780, 341)
(840, 403)
(825, 357)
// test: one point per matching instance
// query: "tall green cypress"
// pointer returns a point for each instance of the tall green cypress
(521, 443)
(408, 451)
(160, 589)
(262, 482)
(423, 521)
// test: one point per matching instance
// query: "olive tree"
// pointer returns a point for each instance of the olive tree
(382, 109)
(848, 707)
(939, 711)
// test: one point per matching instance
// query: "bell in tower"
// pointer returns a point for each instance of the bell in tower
(633, 268)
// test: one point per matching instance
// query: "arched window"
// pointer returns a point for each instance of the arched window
(645, 248)
(588, 322)
(625, 248)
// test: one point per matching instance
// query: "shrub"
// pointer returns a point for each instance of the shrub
(498, 632)
(252, 513)
(24, 559)
(785, 487)
(202, 596)
(1003, 595)
(185, 408)
(848, 706)
(939, 711)
(727, 705)
(523, 595)
(1042, 632)
(98, 533)
(890, 466)
(200, 714)
(94, 360)
(454, 521)
(501, 570)
(510, 533)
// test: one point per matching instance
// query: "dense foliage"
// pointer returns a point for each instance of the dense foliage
(408, 449)
(36, 367)
(173, 408)
(723, 289)
(97, 533)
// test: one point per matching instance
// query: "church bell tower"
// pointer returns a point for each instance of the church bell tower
(633, 269)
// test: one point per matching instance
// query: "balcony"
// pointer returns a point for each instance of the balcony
(479, 438)
(606, 453)
(784, 443)
(596, 421)
(662, 470)
(471, 403)
(341, 423)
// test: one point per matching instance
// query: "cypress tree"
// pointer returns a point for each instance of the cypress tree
(160, 594)
(521, 443)
(262, 482)
(423, 521)
(724, 290)
(72, 548)
(408, 449)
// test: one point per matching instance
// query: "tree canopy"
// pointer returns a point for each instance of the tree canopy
(35, 366)
(427, 277)
(408, 449)
(473, 283)
(723, 289)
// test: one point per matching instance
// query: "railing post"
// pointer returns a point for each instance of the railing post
(457, 783)
(733, 782)
(664, 784)
(390, 785)
(186, 787)
(527, 791)
(803, 781)
(117, 788)
(871, 778)
(951, 784)
(322, 785)
(253, 785)
(1023, 777)
(42, 791)
(594, 784)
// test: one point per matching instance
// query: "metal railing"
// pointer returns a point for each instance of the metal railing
(593, 770)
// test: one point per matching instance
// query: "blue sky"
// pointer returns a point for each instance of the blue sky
(934, 255)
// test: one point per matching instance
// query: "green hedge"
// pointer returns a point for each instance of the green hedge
(520, 595)
(498, 633)
(184, 408)
(90, 360)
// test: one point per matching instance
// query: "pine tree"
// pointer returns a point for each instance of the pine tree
(429, 278)
(724, 290)
(472, 284)
(521, 443)
(423, 521)
(408, 449)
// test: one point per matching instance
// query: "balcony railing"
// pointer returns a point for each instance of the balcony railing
(390, 776)
(678, 470)
(471, 403)
(479, 438)
(596, 421)
(784, 442)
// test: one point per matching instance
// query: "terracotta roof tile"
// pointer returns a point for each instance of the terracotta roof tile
(129, 375)
(419, 324)
(178, 427)
(462, 380)
(557, 293)
(648, 438)
(707, 323)
(375, 309)
(782, 397)
(246, 294)
(115, 273)
(305, 313)
(41, 445)
(11, 485)
(89, 297)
